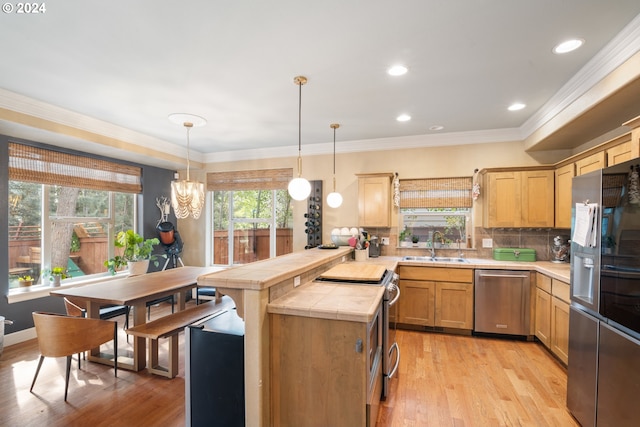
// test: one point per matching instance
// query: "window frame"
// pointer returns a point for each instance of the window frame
(272, 221)
(46, 226)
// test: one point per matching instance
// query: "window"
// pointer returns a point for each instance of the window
(259, 221)
(64, 210)
(252, 215)
(419, 225)
(77, 234)
(436, 211)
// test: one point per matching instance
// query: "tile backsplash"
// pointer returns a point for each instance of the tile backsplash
(540, 239)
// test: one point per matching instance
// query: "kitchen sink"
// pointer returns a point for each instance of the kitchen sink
(434, 259)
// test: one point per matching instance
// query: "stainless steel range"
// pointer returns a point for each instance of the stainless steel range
(376, 276)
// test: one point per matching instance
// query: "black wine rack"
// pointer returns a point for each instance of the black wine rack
(313, 217)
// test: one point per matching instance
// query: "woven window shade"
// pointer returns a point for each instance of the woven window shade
(436, 193)
(265, 179)
(33, 164)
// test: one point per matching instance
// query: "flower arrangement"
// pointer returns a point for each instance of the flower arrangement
(59, 271)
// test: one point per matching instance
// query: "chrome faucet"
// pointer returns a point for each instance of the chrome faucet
(433, 246)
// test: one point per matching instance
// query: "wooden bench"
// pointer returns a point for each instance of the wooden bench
(169, 327)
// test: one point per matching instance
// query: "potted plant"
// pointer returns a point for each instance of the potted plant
(403, 236)
(25, 281)
(137, 253)
(57, 274)
(415, 239)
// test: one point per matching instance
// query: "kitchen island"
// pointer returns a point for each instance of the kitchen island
(252, 287)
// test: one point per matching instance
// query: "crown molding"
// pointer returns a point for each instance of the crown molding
(619, 50)
(379, 144)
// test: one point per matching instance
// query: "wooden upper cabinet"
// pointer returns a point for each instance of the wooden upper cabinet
(519, 199)
(589, 164)
(564, 175)
(537, 198)
(619, 154)
(502, 207)
(374, 200)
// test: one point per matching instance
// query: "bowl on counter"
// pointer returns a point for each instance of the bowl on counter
(341, 236)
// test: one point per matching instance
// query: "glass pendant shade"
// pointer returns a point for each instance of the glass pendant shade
(299, 188)
(187, 198)
(334, 200)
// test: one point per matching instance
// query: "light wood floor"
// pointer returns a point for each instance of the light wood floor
(444, 380)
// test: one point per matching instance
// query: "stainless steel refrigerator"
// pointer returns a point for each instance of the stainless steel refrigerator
(604, 325)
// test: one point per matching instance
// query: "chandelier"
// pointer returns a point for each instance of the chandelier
(299, 188)
(187, 197)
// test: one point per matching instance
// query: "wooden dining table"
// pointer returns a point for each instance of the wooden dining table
(134, 291)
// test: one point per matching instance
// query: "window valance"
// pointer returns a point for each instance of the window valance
(40, 165)
(264, 179)
(436, 193)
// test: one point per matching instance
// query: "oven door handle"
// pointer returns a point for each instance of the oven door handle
(395, 367)
(395, 299)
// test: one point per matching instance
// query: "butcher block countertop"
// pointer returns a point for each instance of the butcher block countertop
(266, 273)
(355, 303)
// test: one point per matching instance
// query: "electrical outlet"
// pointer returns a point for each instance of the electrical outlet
(296, 281)
(487, 243)
(385, 240)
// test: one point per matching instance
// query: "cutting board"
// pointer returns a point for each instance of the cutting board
(355, 272)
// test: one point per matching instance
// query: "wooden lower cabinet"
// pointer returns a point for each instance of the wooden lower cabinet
(319, 373)
(560, 329)
(552, 315)
(542, 319)
(417, 302)
(436, 296)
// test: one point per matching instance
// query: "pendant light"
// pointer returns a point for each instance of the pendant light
(299, 188)
(187, 197)
(334, 199)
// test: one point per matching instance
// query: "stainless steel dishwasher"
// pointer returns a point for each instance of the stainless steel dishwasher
(502, 302)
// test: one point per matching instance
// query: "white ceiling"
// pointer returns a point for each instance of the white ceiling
(129, 64)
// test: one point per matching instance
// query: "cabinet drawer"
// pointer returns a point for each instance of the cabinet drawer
(543, 282)
(438, 274)
(560, 290)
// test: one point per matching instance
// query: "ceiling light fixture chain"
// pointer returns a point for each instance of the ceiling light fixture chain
(188, 125)
(299, 188)
(334, 199)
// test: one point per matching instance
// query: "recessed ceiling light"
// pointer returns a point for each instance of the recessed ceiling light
(516, 106)
(436, 127)
(403, 118)
(397, 70)
(568, 46)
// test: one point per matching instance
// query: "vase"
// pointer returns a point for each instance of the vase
(137, 268)
(56, 281)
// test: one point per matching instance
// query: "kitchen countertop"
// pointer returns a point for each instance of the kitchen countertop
(559, 271)
(268, 272)
(355, 303)
(359, 302)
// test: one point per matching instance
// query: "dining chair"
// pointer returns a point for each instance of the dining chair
(61, 335)
(77, 307)
(150, 304)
